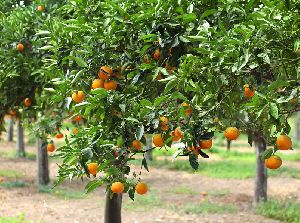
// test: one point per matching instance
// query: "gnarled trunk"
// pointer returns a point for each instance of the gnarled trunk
(42, 163)
(113, 208)
(261, 178)
(20, 140)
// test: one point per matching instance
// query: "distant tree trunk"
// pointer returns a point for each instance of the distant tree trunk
(228, 145)
(148, 155)
(261, 178)
(113, 208)
(42, 163)
(297, 126)
(10, 132)
(20, 140)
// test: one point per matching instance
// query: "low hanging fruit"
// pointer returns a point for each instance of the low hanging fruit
(105, 72)
(137, 145)
(75, 131)
(77, 118)
(205, 144)
(231, 133)
(188, 111)
(248, 93)
(274, 162)
(176, 135)
(78, 96)
(164, 127)
(164, 120)
(117, 187)
(158, 140)
(98, 83)
(20, 47)
(50, 147)
(41, 8)
(110, 85)
(27, 102)
(93, 168)
(284, 142)
(156, 54)
(59, 135)
(141, 188)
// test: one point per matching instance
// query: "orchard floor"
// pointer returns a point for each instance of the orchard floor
(173, 198)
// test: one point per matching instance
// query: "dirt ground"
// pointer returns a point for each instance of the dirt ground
(48, 208)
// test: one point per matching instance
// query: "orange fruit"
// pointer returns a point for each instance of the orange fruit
(156, 54)
(117, 187)
(231, 133)
(189, 110)
(284, 142)
(27, 102)
(78, 96)
(146, 59)
(195, 150)
(137, 145)
(117, 72)
(77, 118)
(176, 135)
(158, 140)
(164, 120)
(205, 144)
(248, 93)
(274, 162)
(59, 135)
(93, 168)
(141, 188)
(97, 83)
(50, 147)
(12, 113)
(164, 127)
(41, 8)
(110, 85)
(20, 47)
(105, 72)
(75, 131)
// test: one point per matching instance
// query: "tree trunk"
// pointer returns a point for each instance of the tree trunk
(10, 132)
(297, 126)
(20, 140)
(261, 178)
(42, 163)
(113, 208)
(148, 155)
(228, 145)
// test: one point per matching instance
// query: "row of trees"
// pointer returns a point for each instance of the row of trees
(177, 70)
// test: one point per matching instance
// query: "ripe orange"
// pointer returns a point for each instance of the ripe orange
(77, 118)
(164, 120)
(20, 47)
(78, 96)
(117, 72)
(27, 102)
(189, 110)
(75, 131)
(146, 59)
(231, 133)
(195, 150)
(41, 8)
(248, 93)
(164, 127)
(12, 113)
(137, 145)
(105, 72)
(50, 147)
(97, 83)
(110, 85)
(93, 168)
(59, 135)
(158, 140)
(117, 187)
(156, 54)
(205, 144)
(176, 135)
(141, 188)
(274, 162)
(284, 142)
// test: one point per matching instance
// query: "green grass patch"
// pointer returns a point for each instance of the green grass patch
(63, 193)
(12, 155)
(287, 211)
(10, 173)
(184, 190)
(207, 207)
(143, 203)
(15, 184)
(19, 219)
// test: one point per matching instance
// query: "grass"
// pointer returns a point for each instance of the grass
(287, 211)
(206, 208)
(12, 154)
(183, 190)
(10, 173)
(62, 193)
(15, 184)
(143, 203)
(19, 219)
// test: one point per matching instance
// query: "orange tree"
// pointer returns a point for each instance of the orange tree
(180, 70)
(24, 86)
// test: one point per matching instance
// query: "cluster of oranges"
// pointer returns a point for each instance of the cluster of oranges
(118, 187)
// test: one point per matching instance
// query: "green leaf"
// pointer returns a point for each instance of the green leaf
(274, 110)
(193, 159)
(139, 132)
(145, 165)
(80, 62)
(92, 185)
(170, 85)
(267, 154)
(208, 13)
(79, 73)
